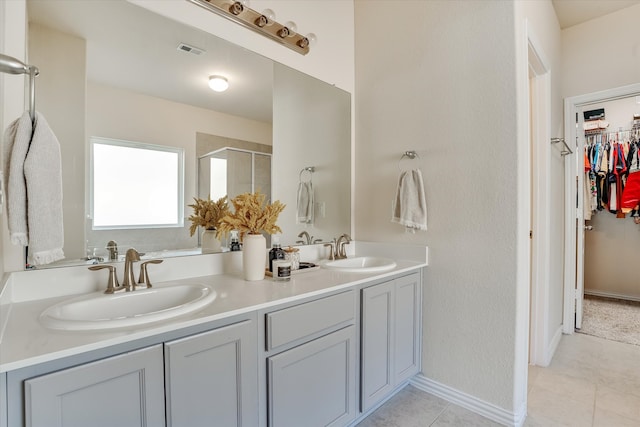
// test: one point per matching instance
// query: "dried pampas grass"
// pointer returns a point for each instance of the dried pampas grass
(207, 213)
(251, 215)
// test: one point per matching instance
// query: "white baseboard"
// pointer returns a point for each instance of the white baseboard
(612, 295)
(472, 403)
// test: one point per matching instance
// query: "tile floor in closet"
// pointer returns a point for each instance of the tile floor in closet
(591, 382)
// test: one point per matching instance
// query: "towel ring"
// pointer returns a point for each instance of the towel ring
(411, 155)
(310, 170)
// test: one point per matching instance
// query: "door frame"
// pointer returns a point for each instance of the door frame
(540, 348)
(574, 291)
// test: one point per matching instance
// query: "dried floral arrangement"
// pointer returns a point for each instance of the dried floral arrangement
(207, 213)
(251, 215)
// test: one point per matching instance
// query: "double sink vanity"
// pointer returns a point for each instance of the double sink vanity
(205, 347)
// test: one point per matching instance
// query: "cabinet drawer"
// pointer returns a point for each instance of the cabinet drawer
(290, 324)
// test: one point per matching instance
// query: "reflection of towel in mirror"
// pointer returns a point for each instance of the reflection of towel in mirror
(43, 175)
(410, 205)
(304, 214)
(17, 138)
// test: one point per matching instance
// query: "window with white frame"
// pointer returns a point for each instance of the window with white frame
(135, 185)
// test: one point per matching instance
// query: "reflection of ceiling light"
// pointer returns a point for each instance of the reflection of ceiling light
(218, 83)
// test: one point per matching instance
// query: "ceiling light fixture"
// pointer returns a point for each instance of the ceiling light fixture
(218, 83)
(263, 23)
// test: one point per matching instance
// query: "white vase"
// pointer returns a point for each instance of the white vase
(254, 256)
(210, 243)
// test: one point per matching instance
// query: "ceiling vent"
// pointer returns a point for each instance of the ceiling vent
(183, 47)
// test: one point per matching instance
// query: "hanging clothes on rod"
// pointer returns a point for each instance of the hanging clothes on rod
(33, 178)
(607, 159)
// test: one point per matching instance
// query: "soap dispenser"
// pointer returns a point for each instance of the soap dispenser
(276, 251)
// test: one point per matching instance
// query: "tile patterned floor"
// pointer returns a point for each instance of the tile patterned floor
(591, 382)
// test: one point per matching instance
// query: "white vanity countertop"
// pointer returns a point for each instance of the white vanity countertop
(26, 342)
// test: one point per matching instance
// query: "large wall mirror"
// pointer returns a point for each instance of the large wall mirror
(113, 70)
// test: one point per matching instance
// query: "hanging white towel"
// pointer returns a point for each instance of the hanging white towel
(43, 176)
(304, 213)
(410, 204)
(17, 138)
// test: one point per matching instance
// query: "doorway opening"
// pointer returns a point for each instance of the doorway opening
(581, 266)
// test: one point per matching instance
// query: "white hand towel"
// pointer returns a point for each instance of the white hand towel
(410, 204)
(304, 213)
(43, 175)
(16, 145)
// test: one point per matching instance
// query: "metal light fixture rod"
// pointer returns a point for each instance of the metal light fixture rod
(237, 12)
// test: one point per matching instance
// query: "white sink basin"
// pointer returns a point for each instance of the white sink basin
(361, 264)
(98, 311)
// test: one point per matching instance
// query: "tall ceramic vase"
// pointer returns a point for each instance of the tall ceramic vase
(210, 243)
(254, 256)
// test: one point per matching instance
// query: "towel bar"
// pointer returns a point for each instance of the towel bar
(11, 65)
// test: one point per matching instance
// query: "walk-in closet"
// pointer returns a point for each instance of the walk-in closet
(612, 236)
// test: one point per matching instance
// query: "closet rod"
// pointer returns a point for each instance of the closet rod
(566, 150)
(11, 65)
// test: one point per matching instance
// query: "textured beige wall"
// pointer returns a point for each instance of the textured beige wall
(442, 81)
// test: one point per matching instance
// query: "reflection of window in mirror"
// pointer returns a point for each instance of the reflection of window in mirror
(135, 185)
(218, 179)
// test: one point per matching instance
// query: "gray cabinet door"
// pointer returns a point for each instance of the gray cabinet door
(313, 385)
(407, 327)
(377, 344)
(212, 378)
(124, 391)
(390, 349)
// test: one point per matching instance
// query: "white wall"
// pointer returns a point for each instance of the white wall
(61, 98)
(601, 54)
(442, 81)
(313, 134)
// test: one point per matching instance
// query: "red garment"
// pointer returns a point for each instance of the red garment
(631, 192)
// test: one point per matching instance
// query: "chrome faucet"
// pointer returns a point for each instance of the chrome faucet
(307, 238)
(344, 239)
(129, 282)
(112, 247)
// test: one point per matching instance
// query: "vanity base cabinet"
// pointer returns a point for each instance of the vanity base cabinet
(211, 378)
(313, 385)
(390, 341)
(124, 391)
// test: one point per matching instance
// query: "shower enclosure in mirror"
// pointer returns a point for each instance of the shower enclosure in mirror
(232, 171)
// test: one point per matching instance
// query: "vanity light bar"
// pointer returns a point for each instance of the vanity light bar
(256, 21)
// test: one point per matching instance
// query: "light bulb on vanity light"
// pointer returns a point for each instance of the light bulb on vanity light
(218, 83)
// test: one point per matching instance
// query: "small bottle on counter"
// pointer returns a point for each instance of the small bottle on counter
(281, 270)
(276, 252)
(234, 246)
